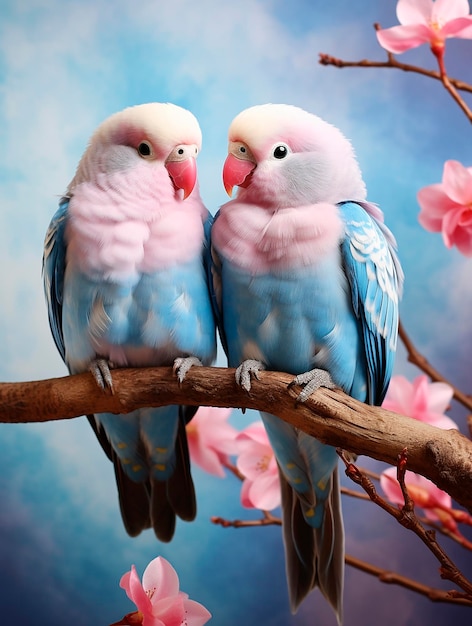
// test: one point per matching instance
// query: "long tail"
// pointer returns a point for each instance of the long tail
(175, 496)
(145, 500)
(314, 556)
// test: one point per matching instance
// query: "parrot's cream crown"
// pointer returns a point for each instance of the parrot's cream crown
(158, 132)
(327, 166)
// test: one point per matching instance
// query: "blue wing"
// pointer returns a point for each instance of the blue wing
(375, 277)
(54, 262)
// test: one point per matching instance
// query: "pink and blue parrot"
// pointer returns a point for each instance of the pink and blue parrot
(307, 281)
(126, 281)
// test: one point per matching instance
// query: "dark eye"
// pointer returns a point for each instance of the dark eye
(280, 152)
(144, 149)
(242, 149)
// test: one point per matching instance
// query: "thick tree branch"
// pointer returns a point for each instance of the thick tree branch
(445, 457)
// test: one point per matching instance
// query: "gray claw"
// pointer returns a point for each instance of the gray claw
(246, 370)
(100, 369)
(313, 380)
(182, 364)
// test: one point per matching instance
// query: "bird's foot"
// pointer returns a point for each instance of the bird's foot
(313, 380)
(100, 369)
(247, 369)
(182, 364)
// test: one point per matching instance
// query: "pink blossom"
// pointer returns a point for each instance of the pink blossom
(436, 504)
(421, 400)
(422, 491)
(211, 439)
(256, 462)
(447, 207)
(158, 599)
(424, 21)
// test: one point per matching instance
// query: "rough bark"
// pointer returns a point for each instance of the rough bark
(443, 456)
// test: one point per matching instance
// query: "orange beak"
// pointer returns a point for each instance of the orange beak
(236, 172)
(183, 174)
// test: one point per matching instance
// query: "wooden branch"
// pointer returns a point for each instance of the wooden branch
(451, 85)
(406, 516)
(391, 63)
(443, 456)
(389, 577)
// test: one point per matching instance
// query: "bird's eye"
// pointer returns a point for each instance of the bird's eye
(280, 151)
(145, 149)
(180, 151)
(242, 149)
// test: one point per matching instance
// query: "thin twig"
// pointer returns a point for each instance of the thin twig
(450, 84)
(415, 357)
(392, 578)
(407, 518)
(385, 576)
(267, 519)
(392, 63)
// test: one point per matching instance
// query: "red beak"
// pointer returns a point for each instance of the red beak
(235, 172)
(183, 174)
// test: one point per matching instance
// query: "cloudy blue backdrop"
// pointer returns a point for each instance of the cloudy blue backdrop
(64, 67)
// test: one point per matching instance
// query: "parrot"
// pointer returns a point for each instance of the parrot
(306, 279)
(126, 280)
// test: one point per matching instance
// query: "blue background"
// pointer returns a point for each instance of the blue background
(64, 67)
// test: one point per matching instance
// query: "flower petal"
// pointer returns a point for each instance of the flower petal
(421, 391)
(434, 203)
(161, 579)
(390, 485)
(398, 39)
(195, 613)
(439, 397)
(450, 225)
(256, 432)
(463, 241)
(207, 459)
(414, 11)
(460, 27)
(457, 182)
(254, 461)
(442, 421)
(399, 396)
(169, 610)
(264, 493)
(134, 590)
(447, 10)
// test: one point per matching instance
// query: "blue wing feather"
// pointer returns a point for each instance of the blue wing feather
(54, 261)
(375, 278)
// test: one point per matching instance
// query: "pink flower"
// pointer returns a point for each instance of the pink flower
(421, 400)
(211, 439)
(424, 21)
(422, 491)
(158, 599)
(436, 504)
(256, 462)
(447, 207)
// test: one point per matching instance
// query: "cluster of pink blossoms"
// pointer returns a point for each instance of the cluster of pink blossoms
(446, 207)
(211, 443)
(427, 403)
